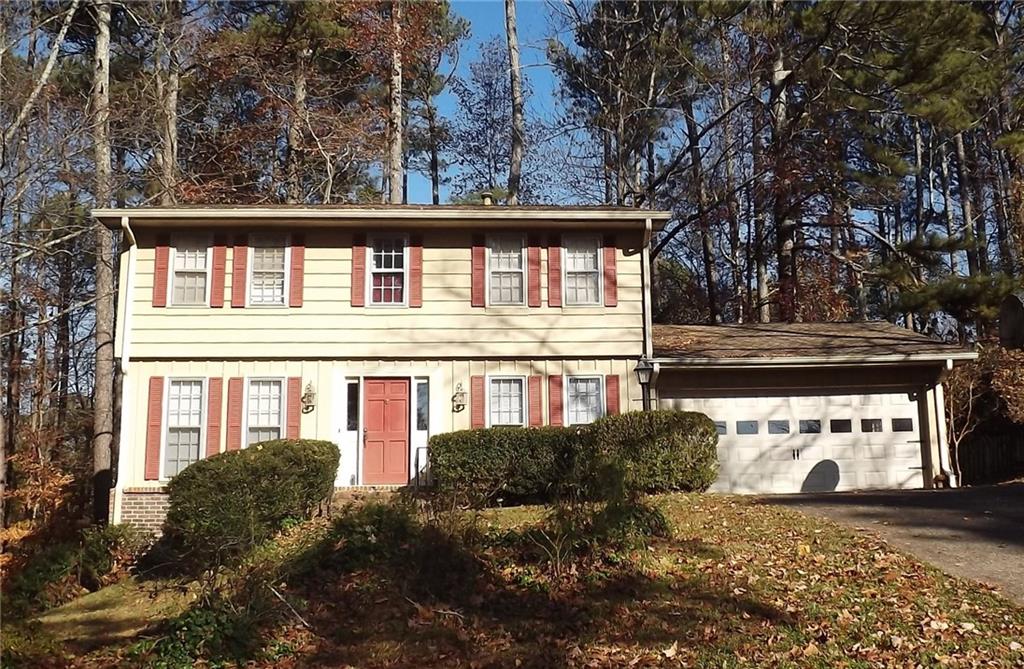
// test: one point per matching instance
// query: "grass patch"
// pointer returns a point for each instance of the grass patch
(737, 585)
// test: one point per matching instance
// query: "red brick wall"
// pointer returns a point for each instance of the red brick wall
(144, 508)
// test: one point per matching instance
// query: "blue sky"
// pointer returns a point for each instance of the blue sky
(487, 19)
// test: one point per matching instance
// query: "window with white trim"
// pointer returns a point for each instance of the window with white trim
(507, 401)
(388, 270)
(183, 442)
(264, 410)
(582, 270)
(190, 272)
(584, 399)
(268, 271)
(507, 270)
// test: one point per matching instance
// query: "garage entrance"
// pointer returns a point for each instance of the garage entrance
(786, 443)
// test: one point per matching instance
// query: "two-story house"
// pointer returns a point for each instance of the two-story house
(370, 326)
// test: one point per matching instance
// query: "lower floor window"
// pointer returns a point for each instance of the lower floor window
(583, 397)
(506, 401)
(265, 410)
(184, 425)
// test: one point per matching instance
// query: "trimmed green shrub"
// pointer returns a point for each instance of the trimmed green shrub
(662, 451)
(656, 451)
(222, 506)
(510, 463)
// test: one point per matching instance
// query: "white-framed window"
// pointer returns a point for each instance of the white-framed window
(584, 399)
(506, 270)
(264, 410)
(506, 400)
(268, 270)
(183, 438)
(190, 272)
(582, 270)
(389, 271)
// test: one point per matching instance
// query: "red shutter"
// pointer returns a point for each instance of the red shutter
(555, 271)
(161, 266)
(611, 394)
(214, 411)
(479, 271)
(298, 270)
(234, 441)
(611, 281)
(154, 429)
(476, 401)
(533, 272)
(358, 270)
(416, 271)
(536, 401)
(555, 400)
(219, 267)
(294, 407)
(239, 270)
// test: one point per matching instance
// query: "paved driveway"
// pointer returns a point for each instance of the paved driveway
(975, 533)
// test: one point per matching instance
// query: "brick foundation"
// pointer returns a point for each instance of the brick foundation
(144, 508)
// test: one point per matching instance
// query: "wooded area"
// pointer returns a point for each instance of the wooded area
(823, 161)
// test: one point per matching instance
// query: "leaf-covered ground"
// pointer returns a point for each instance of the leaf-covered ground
(739, 585)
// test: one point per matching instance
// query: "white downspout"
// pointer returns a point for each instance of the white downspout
(646, 272)
(123, 348)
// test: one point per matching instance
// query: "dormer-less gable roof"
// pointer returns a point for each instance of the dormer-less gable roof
(412, 215)
(798, 344)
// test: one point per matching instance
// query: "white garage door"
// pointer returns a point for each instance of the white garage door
(812, 443)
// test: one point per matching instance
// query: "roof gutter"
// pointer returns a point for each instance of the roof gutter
(816, 361)
(451, 216)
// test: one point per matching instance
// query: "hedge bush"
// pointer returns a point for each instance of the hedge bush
(514, 463)
(665, 451)
(660, 451)
(222, 506)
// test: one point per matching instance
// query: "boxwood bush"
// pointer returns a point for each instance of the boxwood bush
(222, 506)
(659, 451)
(509, 463)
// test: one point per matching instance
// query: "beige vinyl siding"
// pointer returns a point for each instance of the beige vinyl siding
(327, 326)
(325, 375)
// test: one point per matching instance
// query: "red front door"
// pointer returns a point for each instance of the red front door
(386, 439)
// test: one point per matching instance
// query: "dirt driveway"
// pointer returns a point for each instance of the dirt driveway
(975, 533)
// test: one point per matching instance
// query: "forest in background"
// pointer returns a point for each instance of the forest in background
(822, 161)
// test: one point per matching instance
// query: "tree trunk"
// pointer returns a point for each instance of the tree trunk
(757, 204)
(782, 214)
(168, 86)
(707, 240)
(395, 190)
(966, 205)
(435, 150)
(947, 206)
(103, 396)
(515, 165)
(295, 128)
(978, 189)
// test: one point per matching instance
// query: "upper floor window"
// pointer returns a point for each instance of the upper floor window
(265, 410)
(507, 397)
(583, 395)
(191, 270)
(269, 262)
(582, 270)
(184, 425)
(388, 270)
(506, 273)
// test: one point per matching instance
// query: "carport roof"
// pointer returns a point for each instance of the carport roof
(798, 344)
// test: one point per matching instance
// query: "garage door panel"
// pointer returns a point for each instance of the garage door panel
(828, 459)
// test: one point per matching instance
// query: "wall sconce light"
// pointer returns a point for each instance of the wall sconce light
(308, 399)
(459, 398)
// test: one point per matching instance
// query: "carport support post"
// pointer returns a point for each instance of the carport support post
(930, 430)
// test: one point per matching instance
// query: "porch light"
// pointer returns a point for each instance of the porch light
(308, 399)
(459, 398)
(644, 371)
